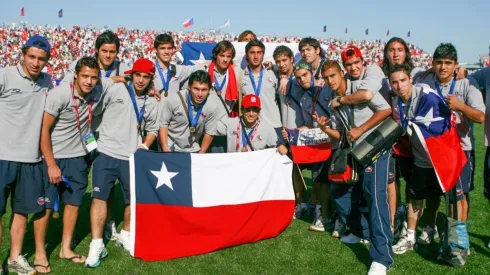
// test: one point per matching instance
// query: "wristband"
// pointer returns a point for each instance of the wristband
(146, 147)
(338, 100)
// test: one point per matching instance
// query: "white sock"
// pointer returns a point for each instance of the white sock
(97, 243)
(411, 234)
(124, 234)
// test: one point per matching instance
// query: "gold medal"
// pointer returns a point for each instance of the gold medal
(219, 93)
(165, 94)
(56, 215)
(289, 102)
(192, 129)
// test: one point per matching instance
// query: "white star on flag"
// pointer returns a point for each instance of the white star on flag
(201, 61)
(164, 176)
(429, 118)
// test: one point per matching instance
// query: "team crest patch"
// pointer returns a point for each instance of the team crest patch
(369, 169)
(269, 79)
(203, 115)
(390, 175)
(459, 192)
(41, 201)
(259, 137)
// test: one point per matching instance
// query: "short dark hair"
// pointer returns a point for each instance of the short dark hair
(245, 33)
(107, 37)
(223, 46)
(88, 61)
(164, 38)
(446, 50)
(254, 43)
(400, 68)
(201, 77)
(328, 64)
(283, 50)
(387, 66)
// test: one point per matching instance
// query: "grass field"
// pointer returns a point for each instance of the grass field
(295, 251)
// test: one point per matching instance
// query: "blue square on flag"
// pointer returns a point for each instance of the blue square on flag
(196, 53)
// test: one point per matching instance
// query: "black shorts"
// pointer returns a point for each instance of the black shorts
(25, 182)
(424, 184)
(106, 170)
(76, 171)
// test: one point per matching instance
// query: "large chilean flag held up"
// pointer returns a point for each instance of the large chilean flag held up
(188, 204)
(309, 145)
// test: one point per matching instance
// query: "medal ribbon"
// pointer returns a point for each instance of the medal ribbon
(194, 119)
(252, 79)
(250, 135)
(165, 81)
(75, 105)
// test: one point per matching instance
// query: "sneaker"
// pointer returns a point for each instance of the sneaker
(318, 221)
(21, 266)
(95, 254)
(428, 235)
(110, 231)
(352, 239)
(338, 229)
(123, 241)
(403, 245)
(300, 210)
(401, 230)
(377, 269)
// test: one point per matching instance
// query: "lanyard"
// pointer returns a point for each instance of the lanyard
(56, 205)
(404, 119)
(314, 101)
(141, 113)
(108, 72)
(165, 81)
(194, 119)
(75, 105)
(255, 87)
(451, 89)
(219, 87)
(250, 135)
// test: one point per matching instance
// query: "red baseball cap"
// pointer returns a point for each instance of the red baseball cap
(250, 101)
(142, 65)
(350, 52)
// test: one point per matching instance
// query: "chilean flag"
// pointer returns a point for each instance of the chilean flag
(189, 22)
(433, 126)
(309, 146)
(185, 204)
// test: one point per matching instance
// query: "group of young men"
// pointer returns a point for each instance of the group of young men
(103, 112)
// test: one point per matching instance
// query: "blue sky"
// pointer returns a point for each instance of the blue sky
(464, 23)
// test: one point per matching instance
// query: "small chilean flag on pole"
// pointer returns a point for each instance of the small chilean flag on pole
(60, 13)
(388, 33)
(22, 12)
(189, 22)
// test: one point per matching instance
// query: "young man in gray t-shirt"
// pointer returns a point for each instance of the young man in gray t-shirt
(23, 91)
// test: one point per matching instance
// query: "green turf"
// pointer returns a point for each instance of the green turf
(295, 251)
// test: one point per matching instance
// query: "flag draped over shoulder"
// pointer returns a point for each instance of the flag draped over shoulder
(186, 204)
(433, 126)
(309, 146)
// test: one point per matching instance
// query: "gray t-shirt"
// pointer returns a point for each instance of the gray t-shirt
(360, 113)
(65, 135)
(268, 90)
(21, 114)
(178, 77)
(173, 116)
(263, 136)
(421, 159)
(118, 133)
(220, 78)
(469, 95)
(481, 80)
(292, 114)
(371, 79)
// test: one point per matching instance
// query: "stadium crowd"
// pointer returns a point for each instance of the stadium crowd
(71, 44)
(106, 108)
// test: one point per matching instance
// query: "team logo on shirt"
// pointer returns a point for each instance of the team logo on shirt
(203, 115)
(269, 79)
(259, 137)
(41, 201)
(369, 169)
(16, 91)
(119, 100)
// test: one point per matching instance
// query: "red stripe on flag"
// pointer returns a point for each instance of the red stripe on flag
(311, 153)
(447, 157)
(165, 232)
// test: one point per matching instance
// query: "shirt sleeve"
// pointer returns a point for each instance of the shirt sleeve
(211, 123)
(107, 83)
(54, 104)
(372, 81)
(222, 129)
(70, 73)
(474, 98)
